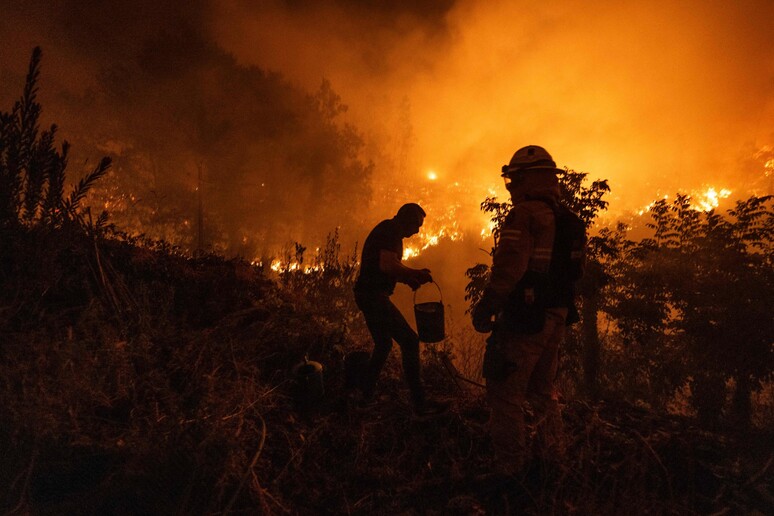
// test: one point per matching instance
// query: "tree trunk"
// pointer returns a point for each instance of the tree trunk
(591, 346)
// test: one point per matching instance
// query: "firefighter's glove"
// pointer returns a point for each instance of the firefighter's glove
(482, 318)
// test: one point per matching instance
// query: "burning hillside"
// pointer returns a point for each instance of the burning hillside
(241, 128)
(158, 305)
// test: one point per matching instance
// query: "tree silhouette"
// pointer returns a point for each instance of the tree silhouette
(696, 294)
(32, 172)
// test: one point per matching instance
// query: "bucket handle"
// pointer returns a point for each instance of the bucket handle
(436, 286)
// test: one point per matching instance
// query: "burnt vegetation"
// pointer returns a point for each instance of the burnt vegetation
(137, 379)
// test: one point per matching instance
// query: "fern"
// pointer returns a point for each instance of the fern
(29, 108)
(101, 223)
(41, 160)
(52, 202)
(19, 143)
(32, 172)
(72, 204)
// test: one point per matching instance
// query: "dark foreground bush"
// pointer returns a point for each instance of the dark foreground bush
(146, 383)
(181, 412)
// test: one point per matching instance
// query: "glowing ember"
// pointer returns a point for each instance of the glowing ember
(432, 175)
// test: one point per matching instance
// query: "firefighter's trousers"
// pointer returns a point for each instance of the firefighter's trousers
(535, 359)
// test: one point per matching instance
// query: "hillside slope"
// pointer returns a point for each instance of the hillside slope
(140, 381)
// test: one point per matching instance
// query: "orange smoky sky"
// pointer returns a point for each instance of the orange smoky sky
(654, 96)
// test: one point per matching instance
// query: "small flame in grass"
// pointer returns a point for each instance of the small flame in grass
(279, 267)
(432, 175)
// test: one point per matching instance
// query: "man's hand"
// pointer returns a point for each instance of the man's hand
(424, 276)
(482, 319)
(419, 278)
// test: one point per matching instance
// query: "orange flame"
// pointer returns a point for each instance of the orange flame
(705, 200)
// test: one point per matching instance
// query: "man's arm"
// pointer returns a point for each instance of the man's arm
(389, 263)
(509, 263)
(510, 259)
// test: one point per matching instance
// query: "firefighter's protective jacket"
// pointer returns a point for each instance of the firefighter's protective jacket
(525, 244)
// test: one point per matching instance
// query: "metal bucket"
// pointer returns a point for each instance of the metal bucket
(430, 318)
(309, 386)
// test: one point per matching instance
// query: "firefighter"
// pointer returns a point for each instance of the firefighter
(526, 302)
(380, 270)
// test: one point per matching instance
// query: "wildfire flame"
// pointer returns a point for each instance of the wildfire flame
(711, 198)
(279, 266)
(431, 238)
(706, 200)
(443, 220)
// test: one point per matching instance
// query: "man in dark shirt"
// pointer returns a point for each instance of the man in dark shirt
(380, 270)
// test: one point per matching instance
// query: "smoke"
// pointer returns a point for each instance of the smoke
(656, 97)
(187, 125)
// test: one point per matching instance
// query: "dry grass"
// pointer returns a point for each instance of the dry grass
(186, 406)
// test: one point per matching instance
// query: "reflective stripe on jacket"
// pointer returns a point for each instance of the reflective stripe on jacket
(526, 242)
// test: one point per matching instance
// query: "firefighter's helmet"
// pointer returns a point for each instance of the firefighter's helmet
(531, 157)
